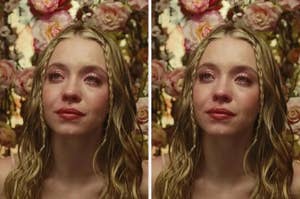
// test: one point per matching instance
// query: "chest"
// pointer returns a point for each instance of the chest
(57, 191)
(211, 191)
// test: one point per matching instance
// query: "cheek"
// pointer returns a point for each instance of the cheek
(200, 96)
(251, 101)
(99, 102)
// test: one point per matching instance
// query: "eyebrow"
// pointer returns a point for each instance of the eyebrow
(237, 68)
(85, 69)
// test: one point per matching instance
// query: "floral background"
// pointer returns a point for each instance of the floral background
(179, 25)
(27, 26)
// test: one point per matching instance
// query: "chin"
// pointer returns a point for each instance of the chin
(68, 131)
(220, 130)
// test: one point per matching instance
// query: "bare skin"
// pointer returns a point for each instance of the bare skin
(222, 188)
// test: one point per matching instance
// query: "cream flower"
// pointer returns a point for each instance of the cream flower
(142, 113)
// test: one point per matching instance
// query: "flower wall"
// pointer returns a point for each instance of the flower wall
(41, 20)
(179, 25)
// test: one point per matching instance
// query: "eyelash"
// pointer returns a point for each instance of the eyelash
(90, 79)
(206, 77)
(55, 76)
(93, 80)
(243, 80)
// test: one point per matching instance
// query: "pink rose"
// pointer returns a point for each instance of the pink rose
(111, 15)
(290, 4)
(7, 72)
(294, 114)
(196, 6)
(158, 72)
(46, 6)
(197, 28)
(174, 81)
(46, 29)
(262, 15)
(142, 113)
(7, 135)
(138, 4)
(23, 81)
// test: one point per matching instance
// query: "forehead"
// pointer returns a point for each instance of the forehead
(229, 51)
(77, 50)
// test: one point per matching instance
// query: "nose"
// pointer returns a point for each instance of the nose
(71, 92)
(223, 93)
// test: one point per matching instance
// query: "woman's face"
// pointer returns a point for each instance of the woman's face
(226, 89)
(76, 92)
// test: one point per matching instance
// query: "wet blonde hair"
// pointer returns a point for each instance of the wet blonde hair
(268, 157)
(117, 156)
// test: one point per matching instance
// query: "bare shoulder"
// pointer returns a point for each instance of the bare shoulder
(144, 185)
(6, 165)
(296, 179)
(158, 165)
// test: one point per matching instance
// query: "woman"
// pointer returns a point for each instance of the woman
(77, 141)
(233, 145)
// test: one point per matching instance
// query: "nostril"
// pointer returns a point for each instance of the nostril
(222, 97)
(71, 97)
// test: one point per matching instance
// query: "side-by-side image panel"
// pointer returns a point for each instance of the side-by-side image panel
(225, 99)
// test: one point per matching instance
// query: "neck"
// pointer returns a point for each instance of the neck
(73, 157)
(223, 157)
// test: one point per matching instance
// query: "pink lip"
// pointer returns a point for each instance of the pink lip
(220, 113)
(69, 113)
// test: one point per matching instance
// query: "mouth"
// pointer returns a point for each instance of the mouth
(69, 113)
(220, 114)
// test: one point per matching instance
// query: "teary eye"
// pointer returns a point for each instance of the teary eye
(55, 77)
(93, 80)
(243, 80)
(206, 77)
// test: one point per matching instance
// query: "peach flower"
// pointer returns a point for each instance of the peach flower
(262, 15)
(294, 113)
(197, 28)
(142, 113)
(7, 135)
(138, 4)
(289, 4)
(23, 81)
(158, 72)
(111, 15)
(174, 81)
(7, 73)
(46, 29)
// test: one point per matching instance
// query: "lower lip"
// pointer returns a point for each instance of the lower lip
(220, 116)
(69, 116)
